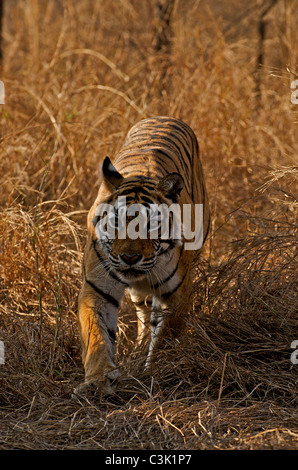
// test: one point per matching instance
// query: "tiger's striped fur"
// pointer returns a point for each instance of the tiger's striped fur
(158, 163)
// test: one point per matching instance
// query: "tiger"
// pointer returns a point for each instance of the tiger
(158, 165)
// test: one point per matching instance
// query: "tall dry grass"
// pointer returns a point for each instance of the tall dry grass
(77, 76)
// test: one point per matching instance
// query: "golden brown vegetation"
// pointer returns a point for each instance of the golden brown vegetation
(77, 76)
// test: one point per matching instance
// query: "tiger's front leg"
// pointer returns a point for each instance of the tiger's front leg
(98, 324)
(168, 315)
(142, 303)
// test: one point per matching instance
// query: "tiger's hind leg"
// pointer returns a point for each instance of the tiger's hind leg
(142, 303)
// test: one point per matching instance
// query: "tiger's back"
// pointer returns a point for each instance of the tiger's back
(157, 146)
(158, 164)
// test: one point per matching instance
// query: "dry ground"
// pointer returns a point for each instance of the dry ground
(77, 76)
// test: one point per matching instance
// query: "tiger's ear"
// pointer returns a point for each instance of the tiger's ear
(110, 174)
(171, 186)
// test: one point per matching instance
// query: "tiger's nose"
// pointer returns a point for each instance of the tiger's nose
(131, 259)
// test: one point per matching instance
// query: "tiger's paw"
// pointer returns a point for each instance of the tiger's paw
(97, 386)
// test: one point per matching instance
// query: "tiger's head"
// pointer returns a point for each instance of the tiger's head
(137, 220)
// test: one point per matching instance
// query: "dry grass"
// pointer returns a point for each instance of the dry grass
(77, 76)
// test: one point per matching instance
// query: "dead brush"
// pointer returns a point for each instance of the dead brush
(237, 344)
(40, 266)
(71, 96)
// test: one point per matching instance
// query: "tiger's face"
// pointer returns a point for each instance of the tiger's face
(132, 224)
